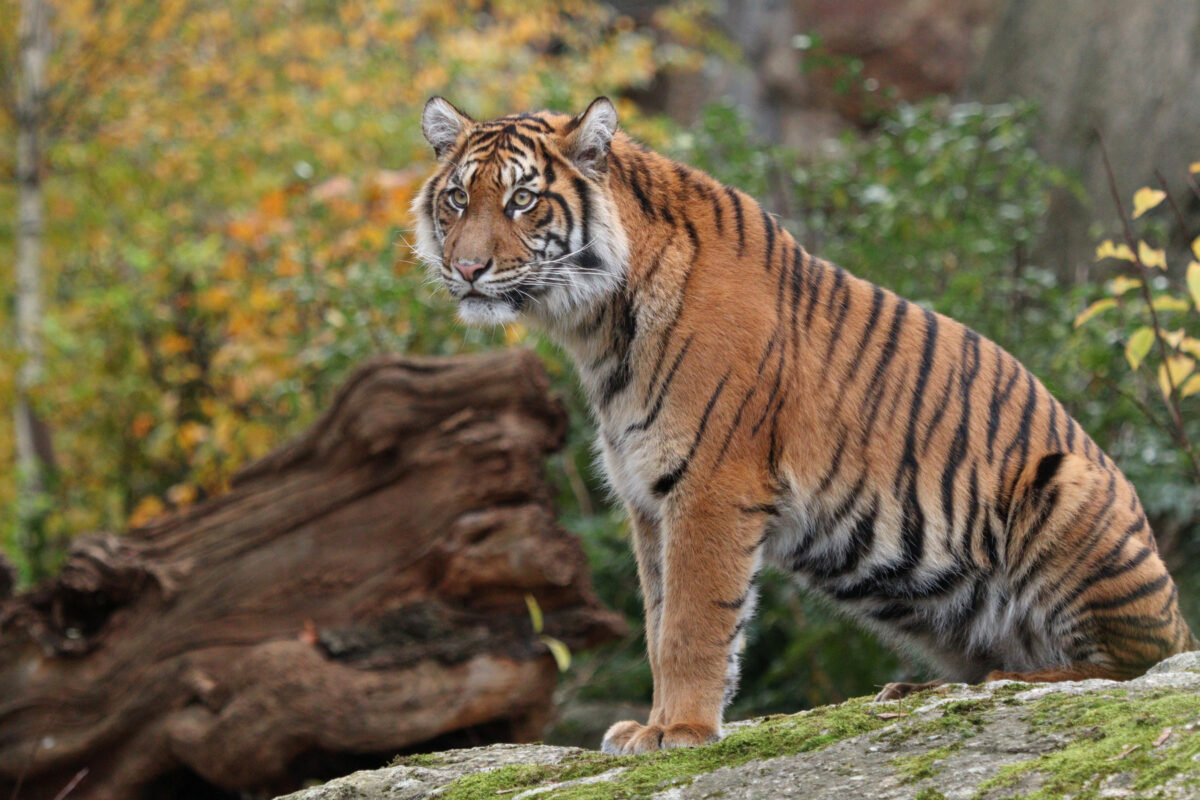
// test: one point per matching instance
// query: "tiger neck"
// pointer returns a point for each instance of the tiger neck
(606, 339)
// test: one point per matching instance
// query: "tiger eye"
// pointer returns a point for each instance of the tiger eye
(458, 197)
(522, 198)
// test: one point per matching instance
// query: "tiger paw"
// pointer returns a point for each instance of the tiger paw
(629, 738)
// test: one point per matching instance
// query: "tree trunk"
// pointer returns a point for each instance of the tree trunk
(33, 51)
(360, 592)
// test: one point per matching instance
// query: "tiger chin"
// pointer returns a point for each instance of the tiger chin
(756, 404)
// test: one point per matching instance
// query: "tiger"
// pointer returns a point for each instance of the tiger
(755, 404)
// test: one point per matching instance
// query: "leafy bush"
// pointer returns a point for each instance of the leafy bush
(226, 187)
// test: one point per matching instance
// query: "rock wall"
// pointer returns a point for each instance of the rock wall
(1128, 70)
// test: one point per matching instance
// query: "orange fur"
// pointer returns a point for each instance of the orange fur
(756, 403)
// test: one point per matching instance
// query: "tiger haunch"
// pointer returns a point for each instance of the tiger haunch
(756, 404)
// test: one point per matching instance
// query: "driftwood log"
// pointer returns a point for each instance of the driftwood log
(359, 592)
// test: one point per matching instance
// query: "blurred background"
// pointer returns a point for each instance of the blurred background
(204, 227)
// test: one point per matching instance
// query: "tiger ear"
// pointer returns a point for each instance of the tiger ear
(589, 136)
(441, 123)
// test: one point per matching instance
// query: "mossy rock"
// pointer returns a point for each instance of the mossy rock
(1088, 739)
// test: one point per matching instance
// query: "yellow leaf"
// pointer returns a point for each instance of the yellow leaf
(1173, 338)
(273, 205)
(1095, 308)
(1174, 372)
(142, 424)
(216, 298)
(146, 510)
(1122, 284)
(1190, 345)
(1193, 280)
(1145, 199)
(1166, 302)
(1196, 246)
(1151, 257)
(1190, 387)
(172, 344)
(192, 433)
(1109, 250)
(1194, 168)
(1139, 346)
(535, 613)
(182, 494)
(514, 333)
(561, 653)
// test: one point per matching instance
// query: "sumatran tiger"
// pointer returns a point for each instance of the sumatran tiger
(757, 404)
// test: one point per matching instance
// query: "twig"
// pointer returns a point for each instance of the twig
(1179, 433)
(70, 787)
(1145, 409)
(1170, 199)
(1124, 752)
(578, 487)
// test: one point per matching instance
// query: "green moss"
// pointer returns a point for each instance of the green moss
(419, 760)
(919, 767)
(929, 793)
(1104, 728)
(963, 717)
(645, 774)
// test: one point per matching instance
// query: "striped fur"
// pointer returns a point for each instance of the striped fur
(757, 404)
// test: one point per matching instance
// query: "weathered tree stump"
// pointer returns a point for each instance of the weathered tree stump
(359, 592)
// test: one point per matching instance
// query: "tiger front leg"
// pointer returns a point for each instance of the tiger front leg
(710, 556)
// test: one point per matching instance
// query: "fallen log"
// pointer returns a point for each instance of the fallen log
(359, 592)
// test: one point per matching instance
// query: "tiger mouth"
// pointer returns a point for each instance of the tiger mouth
(512, 298)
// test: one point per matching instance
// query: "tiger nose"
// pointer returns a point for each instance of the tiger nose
(470, 270)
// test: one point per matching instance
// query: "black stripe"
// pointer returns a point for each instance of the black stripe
(769, 226)
(662, 391)
(619, 378)
(737, 212)
(668, 481)
(770, 509)
(1145, 590)
(998, 400)
(877, 297)
(733, 605)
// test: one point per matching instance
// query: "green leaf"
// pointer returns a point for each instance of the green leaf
(1095, 308)
(1139, 346)
(535, 613)
(561, 653)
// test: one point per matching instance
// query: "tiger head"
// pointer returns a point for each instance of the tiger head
(518, 218)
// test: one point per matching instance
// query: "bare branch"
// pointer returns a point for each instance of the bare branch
(1172, 398)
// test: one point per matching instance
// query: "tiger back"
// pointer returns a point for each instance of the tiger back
(756, 404)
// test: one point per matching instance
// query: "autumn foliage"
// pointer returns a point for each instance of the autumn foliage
(227, 188)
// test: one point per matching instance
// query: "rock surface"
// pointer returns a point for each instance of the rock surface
(1090, 738)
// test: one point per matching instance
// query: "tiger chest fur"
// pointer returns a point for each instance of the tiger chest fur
(756, 405)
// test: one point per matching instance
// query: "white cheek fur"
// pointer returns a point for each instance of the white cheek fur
(481, 312)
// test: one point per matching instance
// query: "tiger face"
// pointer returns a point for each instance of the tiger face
(518, 218)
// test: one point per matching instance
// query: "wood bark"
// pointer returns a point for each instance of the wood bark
(359, 592)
